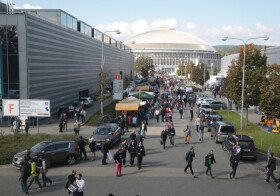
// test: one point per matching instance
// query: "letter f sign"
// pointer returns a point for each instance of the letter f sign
(11, 108)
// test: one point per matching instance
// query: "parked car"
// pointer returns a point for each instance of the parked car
(86, 101)
(221, 130)
(217, 105)
(207, 101)
(56, 152)
(107, 131)
(246, 143)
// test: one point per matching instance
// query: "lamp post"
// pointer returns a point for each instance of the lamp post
(243, 68)
(102, 65)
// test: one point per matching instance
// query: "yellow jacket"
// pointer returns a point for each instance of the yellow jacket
(33, 169)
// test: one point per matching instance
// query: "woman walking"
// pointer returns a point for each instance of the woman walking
(187, 133)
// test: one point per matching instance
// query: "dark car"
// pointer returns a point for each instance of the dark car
(107, 132)
(246, 143)
(56, 152)
(69, 111)
(221, 131)
(217, 105)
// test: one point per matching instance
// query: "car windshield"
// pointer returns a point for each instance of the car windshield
(227, 129)
(205, 106)
(245, 144)
(102, 131)
(38, 147)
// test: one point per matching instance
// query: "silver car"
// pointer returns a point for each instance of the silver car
(221, 130)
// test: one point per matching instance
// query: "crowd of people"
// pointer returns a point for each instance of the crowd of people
(162, 108)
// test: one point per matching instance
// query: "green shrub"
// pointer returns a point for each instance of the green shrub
(12, 144)
(262, 138)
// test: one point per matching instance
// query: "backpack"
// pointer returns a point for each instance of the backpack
(187, 156)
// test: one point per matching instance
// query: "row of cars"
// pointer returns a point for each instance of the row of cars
(67, 152)
(224, 132)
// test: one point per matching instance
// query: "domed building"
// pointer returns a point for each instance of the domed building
(168, 48)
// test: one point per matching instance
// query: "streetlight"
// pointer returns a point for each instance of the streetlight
(243, 69)
(102, 65)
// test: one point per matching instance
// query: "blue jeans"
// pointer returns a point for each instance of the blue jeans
(171, 138)
(24, 186)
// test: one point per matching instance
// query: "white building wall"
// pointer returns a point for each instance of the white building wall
(273, 55)
(226, 62)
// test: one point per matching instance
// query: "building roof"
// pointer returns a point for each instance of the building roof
(168, 38)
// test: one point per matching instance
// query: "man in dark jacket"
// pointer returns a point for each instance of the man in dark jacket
(189, 158)
(209, 160)
(23, 178)
(132, 149)
(271, 166)
(164, 134)
(133, 136)
(140, 154)
(234, 159)
(70, 180)
(82, 144)
(124, 148)
(105, 150)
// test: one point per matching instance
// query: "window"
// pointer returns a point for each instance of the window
(63, 19)
(75, 24)
(49, 148)
(227, 129)
(61, 146)
(69, 22)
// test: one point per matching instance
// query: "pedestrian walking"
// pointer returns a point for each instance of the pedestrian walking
(35, 171)
(234, 159)
(143, 129)
(70, 180)
(201, 132)
(92, 147)
(133, 136)
(124, 148)
(157, 114)
(164, 134)
(189, 159)
(80, 183)
(82, 144)
(171, 131)
(24, 175)
(197, 123)
(83, 114)
(26, 126)
(132, 149)
(191, 113)
(60, 125)
(105, 150)
(44, 170)
(271, 167)
(140, 154)
(77, 127)
(187, 133)
(209, 160)
(118, 159)
(181, 111)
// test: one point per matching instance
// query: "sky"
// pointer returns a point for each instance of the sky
(209, 20)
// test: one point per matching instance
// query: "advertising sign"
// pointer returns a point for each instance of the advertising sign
(35, 108)
(10, 107)
(117, 86)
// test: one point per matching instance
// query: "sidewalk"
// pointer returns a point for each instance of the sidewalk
(50, 125)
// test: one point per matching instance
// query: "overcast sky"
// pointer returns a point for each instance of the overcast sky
(207, 19)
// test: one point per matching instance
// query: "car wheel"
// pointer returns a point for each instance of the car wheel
(71, 160)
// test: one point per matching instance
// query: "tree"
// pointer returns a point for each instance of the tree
(144, 66)
(270, 92)
(198, 74)
(181, 71)
(255, 68)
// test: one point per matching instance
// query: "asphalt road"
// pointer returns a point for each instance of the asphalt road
(162, 173)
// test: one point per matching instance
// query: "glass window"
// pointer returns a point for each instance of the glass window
(63, 19)
(69, 22)
(61, 146)
(75, 24)
(49, 148)
(82, 29)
